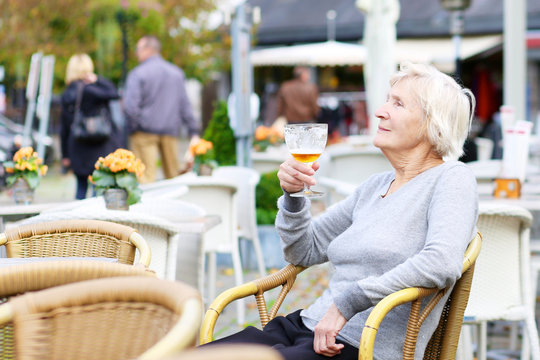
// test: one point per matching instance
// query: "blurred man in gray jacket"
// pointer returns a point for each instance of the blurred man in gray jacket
(156, 107)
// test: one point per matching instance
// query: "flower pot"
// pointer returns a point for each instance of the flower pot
(22, 193)
(204, 170)
(116, 199)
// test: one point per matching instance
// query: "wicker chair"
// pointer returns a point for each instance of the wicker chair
(76, 238)
(110, 318)
(35, 276)
(502, 287)
(442, 345)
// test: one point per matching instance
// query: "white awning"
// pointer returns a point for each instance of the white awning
(437, 51)
(441, 51)
(328, 53)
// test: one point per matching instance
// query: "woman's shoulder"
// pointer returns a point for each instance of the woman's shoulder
(70, 93)
(455, 166)
(456, 174)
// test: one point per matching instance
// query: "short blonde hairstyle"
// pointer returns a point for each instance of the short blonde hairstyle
(447, 107)
(79, 65)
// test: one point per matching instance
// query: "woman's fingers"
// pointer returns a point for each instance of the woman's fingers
(293, 175)
(326, 331)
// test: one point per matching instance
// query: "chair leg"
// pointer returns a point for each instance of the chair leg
(212, 272)
(525, 345)
(465, 348)
(258, 253)
(532, 336)
(239, 278)
(481, 348)
(514, 334)
(201, 279)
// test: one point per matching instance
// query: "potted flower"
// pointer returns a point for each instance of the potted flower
(115, 176)
(203, 155)
(266, 136)
(26, 170)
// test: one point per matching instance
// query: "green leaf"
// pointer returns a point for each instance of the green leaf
(127, 180)
(11, 180)
(134, 196)
(32, 178)
(103, 179)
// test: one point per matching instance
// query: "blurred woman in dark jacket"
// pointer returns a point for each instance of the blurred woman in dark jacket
(96, 93)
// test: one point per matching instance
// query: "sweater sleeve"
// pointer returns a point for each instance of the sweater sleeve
(305, 240)
(452, 216)
(132, 100)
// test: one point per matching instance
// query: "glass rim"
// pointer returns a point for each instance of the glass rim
(308, 124)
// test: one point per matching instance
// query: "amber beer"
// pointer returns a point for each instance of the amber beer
(305, 156)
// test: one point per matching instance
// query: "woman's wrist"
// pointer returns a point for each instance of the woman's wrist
(293, 204)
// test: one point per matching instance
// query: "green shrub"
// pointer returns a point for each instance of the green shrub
(221, 135)
(266, 194)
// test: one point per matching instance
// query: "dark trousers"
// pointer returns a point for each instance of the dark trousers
(289, 336)
(82, 187)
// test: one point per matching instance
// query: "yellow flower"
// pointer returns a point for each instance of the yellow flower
(23, 153)
(26, 164)
(261, 133)
(201, 147)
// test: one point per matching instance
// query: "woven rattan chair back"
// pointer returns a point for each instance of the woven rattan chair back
(80, 238)
(111, 318)
(35, 276)
(444, 341)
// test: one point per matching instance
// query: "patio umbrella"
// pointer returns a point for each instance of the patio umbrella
(327, 53)
(379, 39)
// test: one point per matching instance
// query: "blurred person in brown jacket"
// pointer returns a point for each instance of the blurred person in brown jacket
(297, 98)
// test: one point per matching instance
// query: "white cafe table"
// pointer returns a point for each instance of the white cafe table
(11, 211)
(529, 199)
(172, 228)
(270, 159)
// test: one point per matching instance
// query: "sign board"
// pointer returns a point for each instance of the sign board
(31, 94)
(44, 101)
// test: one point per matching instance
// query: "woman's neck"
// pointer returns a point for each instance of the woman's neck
(410, 165)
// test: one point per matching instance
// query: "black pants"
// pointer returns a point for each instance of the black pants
(82, 187)
(290, 337)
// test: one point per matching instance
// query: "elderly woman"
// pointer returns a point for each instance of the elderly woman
(408, 227)
(94, 93)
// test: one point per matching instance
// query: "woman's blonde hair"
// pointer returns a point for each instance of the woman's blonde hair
(448, 108)
(78, 66)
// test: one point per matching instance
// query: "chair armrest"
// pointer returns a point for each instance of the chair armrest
(381, 310)
(414, 294)
(284, 277)
(141, 244)
(180, 336)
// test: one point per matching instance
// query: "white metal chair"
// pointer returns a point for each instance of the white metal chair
(217, 196)
(162, 223)
(501, 288)
(269, 160)
(247, 180)
(484, 148)
(486, 170)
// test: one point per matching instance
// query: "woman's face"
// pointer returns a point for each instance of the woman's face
(400, 120)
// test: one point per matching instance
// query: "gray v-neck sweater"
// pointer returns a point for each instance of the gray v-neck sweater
(416, 236)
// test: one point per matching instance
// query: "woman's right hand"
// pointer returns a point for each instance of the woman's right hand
(66, 162)
(293, 175)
